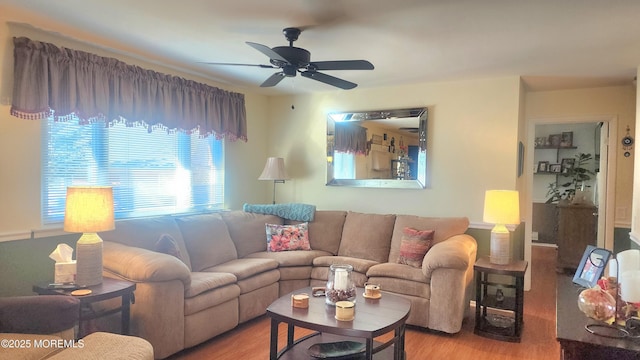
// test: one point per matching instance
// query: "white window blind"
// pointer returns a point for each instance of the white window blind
(151, 173)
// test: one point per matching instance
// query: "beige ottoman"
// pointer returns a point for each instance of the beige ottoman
(102, 345)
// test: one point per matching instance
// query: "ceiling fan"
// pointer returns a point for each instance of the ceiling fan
(291, 60)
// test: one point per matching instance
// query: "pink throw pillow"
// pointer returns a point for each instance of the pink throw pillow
(288, 237)
(414, 246)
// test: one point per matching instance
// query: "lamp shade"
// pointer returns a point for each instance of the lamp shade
(274, 170)
(501, 207)
(89, 209)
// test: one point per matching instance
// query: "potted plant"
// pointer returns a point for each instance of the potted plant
(577, 175)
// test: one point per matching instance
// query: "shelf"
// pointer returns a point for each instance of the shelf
(510, 333)
(509, 303)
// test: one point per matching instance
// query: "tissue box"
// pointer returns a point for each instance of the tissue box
(65, 272)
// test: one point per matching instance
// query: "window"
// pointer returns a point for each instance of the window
(345, 165)
(151, 173)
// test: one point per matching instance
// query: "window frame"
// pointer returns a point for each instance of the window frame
(205, 181)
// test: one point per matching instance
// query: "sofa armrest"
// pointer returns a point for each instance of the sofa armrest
(45, 314)
(142, 265)
(457, 252)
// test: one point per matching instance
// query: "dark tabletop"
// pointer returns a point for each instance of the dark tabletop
(372, 317)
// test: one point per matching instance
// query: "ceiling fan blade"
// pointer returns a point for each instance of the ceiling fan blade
(267, 51)
(328, 79)
(236, 64)
(273, 80)
(342, 65)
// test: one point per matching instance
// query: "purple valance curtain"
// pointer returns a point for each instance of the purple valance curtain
(350, 138)
(49, 80)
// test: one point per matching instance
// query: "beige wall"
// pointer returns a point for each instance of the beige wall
(473, 130)
(616, 101)
(472, 146)
(20, 139)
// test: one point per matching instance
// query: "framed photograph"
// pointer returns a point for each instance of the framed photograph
(555, 168)
(567, 164)
(376, 139)
(555, 139)
(543, 166)
(567, 139)
(591, 267)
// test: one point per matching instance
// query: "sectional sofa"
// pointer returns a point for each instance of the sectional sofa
(201, 275)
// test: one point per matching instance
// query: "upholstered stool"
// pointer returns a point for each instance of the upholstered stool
(103, 345)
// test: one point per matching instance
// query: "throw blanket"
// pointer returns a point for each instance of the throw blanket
(298, 212)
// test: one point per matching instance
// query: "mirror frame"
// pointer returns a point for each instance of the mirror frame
(421, 115)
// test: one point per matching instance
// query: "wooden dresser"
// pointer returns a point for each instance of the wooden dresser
(577, 228)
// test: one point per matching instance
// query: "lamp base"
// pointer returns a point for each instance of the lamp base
(500, 247)
(89, 260)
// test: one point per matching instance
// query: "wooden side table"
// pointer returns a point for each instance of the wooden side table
(501, 327)
(109, 289)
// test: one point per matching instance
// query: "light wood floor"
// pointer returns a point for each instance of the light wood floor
(251, 340)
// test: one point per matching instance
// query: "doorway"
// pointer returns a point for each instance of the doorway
(601, 191)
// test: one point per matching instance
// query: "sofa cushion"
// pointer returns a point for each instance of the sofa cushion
(259, 281)
(414, 245)
(145, 232)
(295, 273)
(244, 268)
(367, 236)
(359, 265)
(397, 271)
(403, 286)
(205, 281)
(207, 239)
(443, 228)
(247, 230)
(325, 231)
(290, 258)
(287, 237)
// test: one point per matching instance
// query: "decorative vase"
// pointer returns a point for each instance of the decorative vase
(597, 304)
(340, 286)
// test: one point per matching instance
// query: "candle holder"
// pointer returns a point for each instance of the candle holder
(340, 286)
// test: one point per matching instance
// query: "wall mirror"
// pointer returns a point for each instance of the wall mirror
(378, 149)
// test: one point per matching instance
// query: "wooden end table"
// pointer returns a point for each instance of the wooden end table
(373, 318)
(486, 298)
(109, 289)
(576, 343)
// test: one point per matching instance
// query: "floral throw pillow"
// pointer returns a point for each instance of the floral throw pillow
(287, 237)
(414, 246)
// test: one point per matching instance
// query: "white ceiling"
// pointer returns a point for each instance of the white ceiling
(551, 43)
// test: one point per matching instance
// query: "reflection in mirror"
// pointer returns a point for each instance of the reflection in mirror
(382, 148)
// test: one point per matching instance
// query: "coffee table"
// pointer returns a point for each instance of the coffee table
(373, 318)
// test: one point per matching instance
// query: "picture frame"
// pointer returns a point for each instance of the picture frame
(555, 139)
(592, 265)
(376, 139)
(543, 166)
(555, 168)
(566, 139)
(567, 164)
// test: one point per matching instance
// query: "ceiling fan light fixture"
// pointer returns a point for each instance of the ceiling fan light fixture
(291, 60)
(289, 70)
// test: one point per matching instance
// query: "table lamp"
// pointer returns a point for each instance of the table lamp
(89, 209)
(274, 170)
(501, 207)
